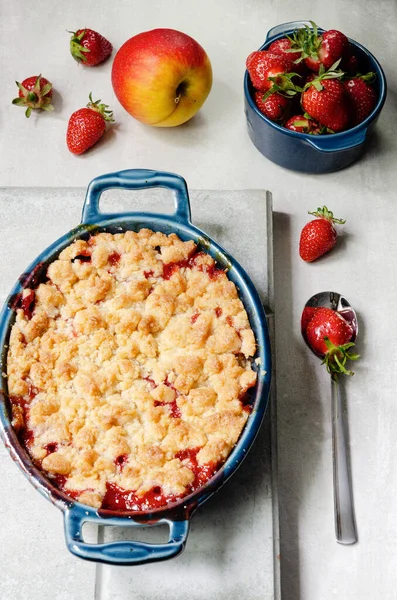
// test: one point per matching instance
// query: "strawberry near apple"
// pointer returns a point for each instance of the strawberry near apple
(162, 77)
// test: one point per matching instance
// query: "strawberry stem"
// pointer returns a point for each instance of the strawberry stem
(101, 108)
(77, 49)
(283, 85)
(36, 98)
(336, 357)
(324, 213)
(332, 73)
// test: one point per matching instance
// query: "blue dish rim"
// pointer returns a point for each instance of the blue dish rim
(363, 126)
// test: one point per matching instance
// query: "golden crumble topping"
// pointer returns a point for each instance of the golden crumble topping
(127, 369)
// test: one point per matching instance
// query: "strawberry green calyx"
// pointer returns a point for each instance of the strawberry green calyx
(283, 84)
(77, 49)
(324, 213)
(307, 41)
(38, 97)
(336, 358)
(332, 73)
(368, 77)
(102, 109)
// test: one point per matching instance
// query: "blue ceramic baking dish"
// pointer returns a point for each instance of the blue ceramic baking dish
(304, 152)
(176, 516)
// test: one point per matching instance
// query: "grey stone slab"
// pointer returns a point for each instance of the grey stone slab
(230, 551)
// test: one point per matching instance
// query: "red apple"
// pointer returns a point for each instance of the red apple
(162, 77)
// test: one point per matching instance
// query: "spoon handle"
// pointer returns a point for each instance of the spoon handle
(345, 527)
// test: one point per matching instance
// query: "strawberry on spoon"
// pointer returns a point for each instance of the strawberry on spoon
(321, 306)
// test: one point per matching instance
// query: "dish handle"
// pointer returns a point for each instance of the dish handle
(285, 28)
(135, 179)
(127, 552)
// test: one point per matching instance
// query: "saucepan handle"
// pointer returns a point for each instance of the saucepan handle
(123, 552)
(135, 179)
(328, 143)
(285, 28)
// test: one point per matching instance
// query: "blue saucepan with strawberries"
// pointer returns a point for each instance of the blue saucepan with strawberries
(325, 148)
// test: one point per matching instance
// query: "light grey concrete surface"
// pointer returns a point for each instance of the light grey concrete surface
(213, 151)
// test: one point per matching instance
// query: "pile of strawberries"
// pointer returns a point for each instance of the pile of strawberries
(87, 125)
(310, 82)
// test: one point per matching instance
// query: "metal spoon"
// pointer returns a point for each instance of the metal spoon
(345, 526)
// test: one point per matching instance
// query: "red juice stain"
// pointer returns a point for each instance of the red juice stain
(202, 473)
(151, 381)
(194, 317)
(25, 434)
(114, 258)
(51, 448)
(170, 385)
(32, 278)
(59, 481)
(218, 311)
(27, 304)
(148, 274)
(212, 271)
(172, 406)
(229, 320)
(246, 402)
(187, 263)
(175, 410)
(32, 391)
(120, 461)
(188, 453)
(117, 498)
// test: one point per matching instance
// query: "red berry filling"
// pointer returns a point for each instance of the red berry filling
(27, 304)
(114, 258)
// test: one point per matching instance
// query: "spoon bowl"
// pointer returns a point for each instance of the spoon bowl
(336, 302)
(345, 525)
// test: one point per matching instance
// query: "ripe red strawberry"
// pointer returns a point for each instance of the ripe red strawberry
(285, 47)
(282, 47)
(362, 97)
(34, 92)
(276, 107)
(270, 72)
(307, 315)
(327, 49)
(330, 335)
(302, 124)
(320, 49)
(319, 235)
(326, 322)
(350, 64)
(87, 125)
(89, 47)
(327, 102)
